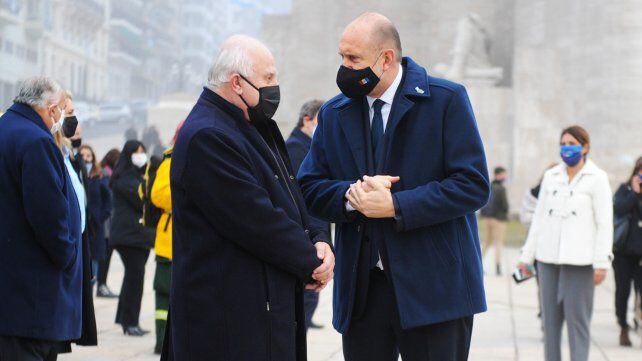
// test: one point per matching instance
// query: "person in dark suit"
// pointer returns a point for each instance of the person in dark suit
(41, 250)
(398, 164)
(243, 246)
(298, 145)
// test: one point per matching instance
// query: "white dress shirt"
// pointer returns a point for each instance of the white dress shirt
(387, 97)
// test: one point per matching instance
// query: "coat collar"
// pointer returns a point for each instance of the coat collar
(27, 112)
(589, 168)
(560, 174)
(414, 87)
(300, 136)
(210, 98)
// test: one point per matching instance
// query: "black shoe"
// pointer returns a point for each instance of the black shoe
(104, 292)
(134, 331)
(315, 325)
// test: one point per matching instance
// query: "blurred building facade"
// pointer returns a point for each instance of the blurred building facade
(563, 62)
(65, 39)
(120, 50)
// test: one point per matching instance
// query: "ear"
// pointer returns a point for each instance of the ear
(306, 119)
(235, 83)
(388, 58)
(585, 149)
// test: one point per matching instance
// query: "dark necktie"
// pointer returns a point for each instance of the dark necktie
(377, 129)
(377, 135)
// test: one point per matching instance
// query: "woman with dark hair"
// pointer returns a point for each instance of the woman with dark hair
(128, 236)
(570, 238)
(108, 163)
(98, 206)
(628, 248)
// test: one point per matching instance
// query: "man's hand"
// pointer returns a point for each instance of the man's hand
(599, 276)
(386, 180)
(325, 272)
(376, 203)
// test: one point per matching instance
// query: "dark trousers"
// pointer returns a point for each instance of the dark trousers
(377, 335)
(26, 349)
(162, 282)
(311, 301)
(103, 266)
(131, 293)
(626, 269)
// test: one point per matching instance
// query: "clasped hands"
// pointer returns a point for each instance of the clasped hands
(373, 199)
(372, 196)
(325, 272)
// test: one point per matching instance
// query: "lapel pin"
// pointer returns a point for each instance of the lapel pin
(419, 90)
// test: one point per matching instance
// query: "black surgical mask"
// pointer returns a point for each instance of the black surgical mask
(356, 83)
(269, 98)
(76, 143)
(69, 126)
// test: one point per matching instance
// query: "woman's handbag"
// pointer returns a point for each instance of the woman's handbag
(621, 231)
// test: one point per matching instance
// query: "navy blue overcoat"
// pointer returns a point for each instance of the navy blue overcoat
(41, 251)
(242, 247)
(433, 144)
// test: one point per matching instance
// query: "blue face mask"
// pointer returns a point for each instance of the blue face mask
(571, 154)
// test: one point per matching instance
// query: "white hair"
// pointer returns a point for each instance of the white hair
(234, 57)
(39, 91)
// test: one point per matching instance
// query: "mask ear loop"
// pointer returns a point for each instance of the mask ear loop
(375, 63)
(252, 85)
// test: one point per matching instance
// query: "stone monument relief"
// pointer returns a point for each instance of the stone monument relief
(471, 55)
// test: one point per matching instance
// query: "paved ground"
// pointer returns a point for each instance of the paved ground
(510, 329)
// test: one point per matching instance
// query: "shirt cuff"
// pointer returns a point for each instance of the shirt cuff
(349, 207)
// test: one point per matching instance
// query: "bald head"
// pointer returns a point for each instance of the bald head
(376, 31)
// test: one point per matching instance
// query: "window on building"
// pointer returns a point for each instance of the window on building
(8, 46)
(32, 56)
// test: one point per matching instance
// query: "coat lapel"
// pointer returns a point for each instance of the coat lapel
(414, 87)
(351, 122)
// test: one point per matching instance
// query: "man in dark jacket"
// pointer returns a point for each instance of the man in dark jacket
(298, 145)
(243, 248)
(409, 276)
(495, 215)
(41, 253)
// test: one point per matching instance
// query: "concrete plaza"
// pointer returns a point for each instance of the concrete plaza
(510, 330)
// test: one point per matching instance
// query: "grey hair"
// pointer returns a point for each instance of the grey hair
(231, 59)
(38, 91)
(310, 109)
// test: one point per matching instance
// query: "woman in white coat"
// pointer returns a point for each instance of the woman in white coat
(571, 237)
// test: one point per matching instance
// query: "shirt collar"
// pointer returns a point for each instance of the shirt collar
(389, 94)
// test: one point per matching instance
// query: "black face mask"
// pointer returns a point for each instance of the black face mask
(269, 98)
(356, 83)
(69, 126)
(76, 143)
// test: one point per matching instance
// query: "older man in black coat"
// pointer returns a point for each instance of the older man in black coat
(243, 246)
